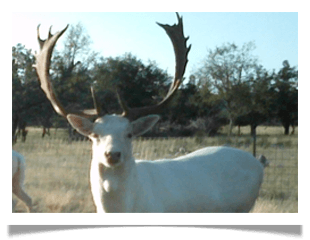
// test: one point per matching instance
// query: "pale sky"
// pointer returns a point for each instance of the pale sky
(275, 34)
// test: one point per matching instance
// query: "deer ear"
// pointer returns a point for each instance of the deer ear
(81, 124)
(144, 124)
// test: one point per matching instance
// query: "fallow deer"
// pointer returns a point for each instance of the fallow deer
(214, 179)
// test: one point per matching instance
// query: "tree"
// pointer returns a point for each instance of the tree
(258, 97)
(71, 74)
(22, 62)
(224, 71)
(185, 106)
(26, 96)
(77, 48)
(139, 84)
(286, 95)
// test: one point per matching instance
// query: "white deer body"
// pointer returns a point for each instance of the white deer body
(18, 177)
(214, 179)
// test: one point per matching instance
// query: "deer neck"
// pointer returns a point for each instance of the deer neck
(114, 189)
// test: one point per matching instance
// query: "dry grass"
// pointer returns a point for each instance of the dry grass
(265, 205)
(58, 172)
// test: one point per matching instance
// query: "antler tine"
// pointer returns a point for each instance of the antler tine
(176, 35)
(41, 42)
(175, 32)
(42, 65)
(122, 104)
(96, 105)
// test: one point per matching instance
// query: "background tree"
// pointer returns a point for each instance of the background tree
(285, 91)
(255, 99)
(139, 84)
(224, 71)
(77, 49)
(71, 67)
(185, 106)
(26, 96)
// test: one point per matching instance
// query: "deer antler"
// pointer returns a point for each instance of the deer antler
(176, 35)
(42, 66)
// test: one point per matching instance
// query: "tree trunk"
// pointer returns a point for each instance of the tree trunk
(286, 126)
(15, 120)
(253, 129)
(254, 139)
(231, 125)
(70, 133)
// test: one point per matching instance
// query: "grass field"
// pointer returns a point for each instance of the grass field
(58, 171)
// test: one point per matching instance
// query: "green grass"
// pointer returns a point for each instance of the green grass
(57, 176)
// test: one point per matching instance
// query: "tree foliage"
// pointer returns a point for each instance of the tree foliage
(229, 87)
(225, 71)
(139, 84)
(285, 90)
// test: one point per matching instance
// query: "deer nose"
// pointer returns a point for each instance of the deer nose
(113, 157)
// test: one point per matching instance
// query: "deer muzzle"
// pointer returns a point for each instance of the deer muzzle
(113, 158)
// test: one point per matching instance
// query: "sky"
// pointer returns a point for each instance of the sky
(275, 34)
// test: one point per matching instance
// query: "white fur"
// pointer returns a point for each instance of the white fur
(18, 177)
(214, 179)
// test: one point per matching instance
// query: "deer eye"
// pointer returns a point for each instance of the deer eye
(94, 135)
(129, 135)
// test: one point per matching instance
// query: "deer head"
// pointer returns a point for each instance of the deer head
(113, 133)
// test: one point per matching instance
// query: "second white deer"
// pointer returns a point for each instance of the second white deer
(18, 177)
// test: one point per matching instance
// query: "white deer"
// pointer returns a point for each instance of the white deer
(215, 179)
(18, 177)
